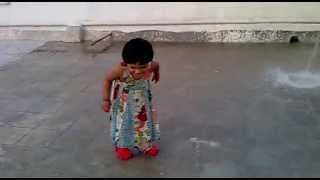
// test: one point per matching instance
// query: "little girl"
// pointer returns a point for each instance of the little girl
(127, 96)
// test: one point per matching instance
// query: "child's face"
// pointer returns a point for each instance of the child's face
(137, 70)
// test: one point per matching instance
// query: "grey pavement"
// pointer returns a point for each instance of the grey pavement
(11, 51)
(221, 113)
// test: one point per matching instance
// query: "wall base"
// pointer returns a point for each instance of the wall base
(224, 33)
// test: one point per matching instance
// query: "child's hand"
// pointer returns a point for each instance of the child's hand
(106, 106)
(156, 74)
(155, 77)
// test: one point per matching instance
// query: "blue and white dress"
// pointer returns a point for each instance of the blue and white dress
(134, 122)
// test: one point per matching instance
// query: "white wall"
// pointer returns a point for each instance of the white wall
(75, 13)
(131, 13)
(42, 13)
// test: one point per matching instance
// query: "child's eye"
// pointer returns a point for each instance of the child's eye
(138, 67)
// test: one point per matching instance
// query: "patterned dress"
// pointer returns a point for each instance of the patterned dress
(134, 122)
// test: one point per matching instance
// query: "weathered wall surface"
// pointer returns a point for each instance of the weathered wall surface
(169, 21)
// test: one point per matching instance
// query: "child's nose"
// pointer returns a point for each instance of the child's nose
(139, 71)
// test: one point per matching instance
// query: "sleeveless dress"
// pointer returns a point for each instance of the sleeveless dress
(134, 123)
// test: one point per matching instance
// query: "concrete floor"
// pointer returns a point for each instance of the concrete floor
(221, 114)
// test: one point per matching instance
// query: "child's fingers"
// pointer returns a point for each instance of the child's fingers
(105, 108)
(155, 78)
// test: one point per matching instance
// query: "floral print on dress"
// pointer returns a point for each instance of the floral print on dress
(134, 122)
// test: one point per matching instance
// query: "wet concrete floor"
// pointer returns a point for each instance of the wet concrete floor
(222, 113)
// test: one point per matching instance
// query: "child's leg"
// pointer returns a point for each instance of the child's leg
(153, 150)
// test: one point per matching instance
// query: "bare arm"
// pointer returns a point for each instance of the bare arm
(156, 71)
(115, 73)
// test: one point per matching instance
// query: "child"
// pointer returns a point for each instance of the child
(127, 96)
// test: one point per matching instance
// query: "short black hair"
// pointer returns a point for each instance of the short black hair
(137, 51)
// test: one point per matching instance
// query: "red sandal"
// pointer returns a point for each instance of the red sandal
(124, 153)
(153, 151)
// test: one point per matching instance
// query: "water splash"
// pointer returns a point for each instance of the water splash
(313, 55)
(302, 79)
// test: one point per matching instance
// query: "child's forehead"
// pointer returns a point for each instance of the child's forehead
(137, 65)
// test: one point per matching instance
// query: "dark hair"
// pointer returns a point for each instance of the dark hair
(137, 51)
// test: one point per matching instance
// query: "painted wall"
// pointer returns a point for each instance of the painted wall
(76, 13)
